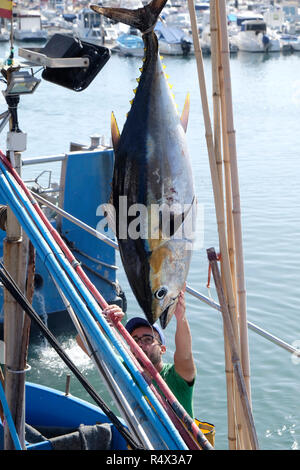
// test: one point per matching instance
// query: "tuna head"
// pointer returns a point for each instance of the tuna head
(168, 266)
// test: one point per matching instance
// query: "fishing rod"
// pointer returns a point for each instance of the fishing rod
(173, 402)
(15, 291)
(154, 417)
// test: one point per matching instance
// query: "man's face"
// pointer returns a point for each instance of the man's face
(148, 340)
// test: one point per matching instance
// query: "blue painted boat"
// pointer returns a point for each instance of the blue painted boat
(55, 420)
(130, 45)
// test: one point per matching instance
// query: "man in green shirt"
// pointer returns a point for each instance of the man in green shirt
(180, 376)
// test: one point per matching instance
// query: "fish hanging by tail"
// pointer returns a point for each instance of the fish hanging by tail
(153, 198)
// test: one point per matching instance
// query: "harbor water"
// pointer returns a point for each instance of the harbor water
(266, 104)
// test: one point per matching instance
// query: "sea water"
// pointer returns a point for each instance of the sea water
(266, 106)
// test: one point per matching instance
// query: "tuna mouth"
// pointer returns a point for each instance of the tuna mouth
(167, 315)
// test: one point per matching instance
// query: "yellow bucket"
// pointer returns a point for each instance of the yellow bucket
(208, 431)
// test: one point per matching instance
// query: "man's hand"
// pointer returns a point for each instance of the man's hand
(180, 307)
(113, 314)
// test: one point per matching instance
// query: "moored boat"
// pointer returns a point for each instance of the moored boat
(28, 26)
(254, 37)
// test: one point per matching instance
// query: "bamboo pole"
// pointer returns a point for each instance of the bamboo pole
(240, 430)
(215, 183)
(212, 160)
(216, 189)
(215, 62)
(241, 289)
(243, 396)
(226, 158)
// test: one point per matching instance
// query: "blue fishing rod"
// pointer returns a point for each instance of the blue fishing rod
(157, 425)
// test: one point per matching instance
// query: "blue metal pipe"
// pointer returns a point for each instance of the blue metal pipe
(98, 341)
(169, 434)
(10, 422)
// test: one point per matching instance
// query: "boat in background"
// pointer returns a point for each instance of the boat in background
(28, 26)
(173, 40)
(289, 42)
(130, 44)
(4, 34)
(88, 26)
(254, 37)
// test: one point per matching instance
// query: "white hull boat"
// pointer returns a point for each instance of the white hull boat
(173, 40)
(253, 37)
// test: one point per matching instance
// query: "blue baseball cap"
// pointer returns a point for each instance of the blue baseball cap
(135, 322)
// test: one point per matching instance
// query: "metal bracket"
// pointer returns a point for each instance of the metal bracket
(36, 58)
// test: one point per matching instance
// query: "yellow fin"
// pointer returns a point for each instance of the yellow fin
(185, 112)
(115, 133)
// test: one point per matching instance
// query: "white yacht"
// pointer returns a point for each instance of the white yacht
(254, 37)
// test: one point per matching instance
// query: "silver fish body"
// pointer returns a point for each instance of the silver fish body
(153, 192)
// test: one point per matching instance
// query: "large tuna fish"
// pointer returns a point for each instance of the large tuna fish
(152, 188)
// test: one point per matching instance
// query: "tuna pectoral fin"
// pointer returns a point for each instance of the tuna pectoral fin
(185, 112)
(142, 18)
(115, 133)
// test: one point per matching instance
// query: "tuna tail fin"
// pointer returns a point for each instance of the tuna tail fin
(143, 19)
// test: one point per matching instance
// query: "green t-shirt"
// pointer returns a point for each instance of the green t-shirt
(182, 390)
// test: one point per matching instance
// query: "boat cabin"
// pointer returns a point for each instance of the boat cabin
(248, 16)
(88, 19)
(257, 26)
(28, 20)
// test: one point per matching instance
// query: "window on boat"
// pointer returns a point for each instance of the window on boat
(255, 27)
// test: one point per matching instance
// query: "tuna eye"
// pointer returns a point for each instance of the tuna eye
(161, 292)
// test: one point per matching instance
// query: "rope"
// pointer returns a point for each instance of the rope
(209, 271)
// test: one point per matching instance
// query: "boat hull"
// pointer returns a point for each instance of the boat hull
(49, 409)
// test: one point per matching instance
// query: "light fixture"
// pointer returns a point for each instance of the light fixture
(21, 83)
